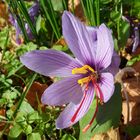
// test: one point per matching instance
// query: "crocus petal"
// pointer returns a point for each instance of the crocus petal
(93, 32)
(64, 119)
(78, 38)
(63, 92)
(49, 62)
(107, 85)
(105, 47)
(114, 66)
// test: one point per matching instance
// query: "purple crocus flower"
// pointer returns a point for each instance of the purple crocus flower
(33, 12)
(136, 39)
(18, 31)
(134, 31)
(84, 77)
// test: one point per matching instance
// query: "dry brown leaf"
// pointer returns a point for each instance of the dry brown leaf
(137, 52)
(112, 134)
(2, 124)
(36, 89)
(13, 39)
(3, 10)
(136, 66)
(3, 14)
(61, 41)
(137, 138)
(132, 87)
(78, 10)
(134, 112)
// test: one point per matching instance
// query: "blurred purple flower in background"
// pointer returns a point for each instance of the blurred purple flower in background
(136, 39)
(15, 24)
(89, 74)
(33, 12)
(134, 31)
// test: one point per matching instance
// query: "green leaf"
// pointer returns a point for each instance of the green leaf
(132, 61)
(20, 118)
(34, 136)
(26, 48)
(28, 129)
(60, 48)
(105, 1)
(51, 16)
(18, 138)
(43, 48)
(3, 36)
(135, 6)
(133, 131)
(38, 24)
(57, 5)
(116, 47)
(3, 101)
(26, 108)
(9, 113)
(68, 137)
(124, 33)
(115, 15)
(46, 117)
(33, 116)
(15, 131)
(9, 95)
(106, 116)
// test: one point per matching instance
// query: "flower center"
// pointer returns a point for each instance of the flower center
(86, 69)
(90, 76)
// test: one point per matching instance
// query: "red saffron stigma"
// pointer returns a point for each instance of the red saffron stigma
(97, 90)
(100, 92)
(77, 111)
(94, 115)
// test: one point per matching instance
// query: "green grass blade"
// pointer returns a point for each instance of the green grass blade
(57, 34)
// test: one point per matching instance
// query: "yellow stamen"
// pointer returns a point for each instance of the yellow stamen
(82, 70)
(84, 80)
